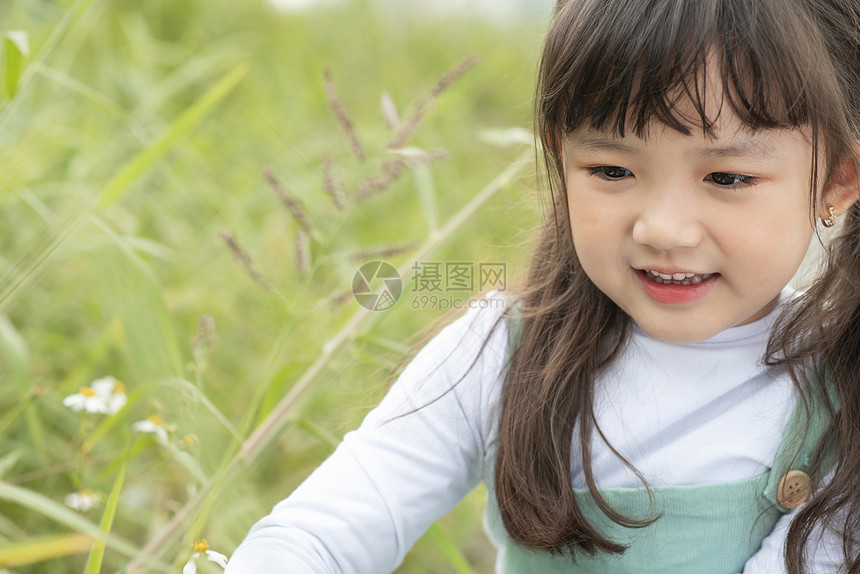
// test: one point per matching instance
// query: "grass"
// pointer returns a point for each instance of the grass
(183, 207)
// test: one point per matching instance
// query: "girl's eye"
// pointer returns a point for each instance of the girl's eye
(610, 171)
(729, 179)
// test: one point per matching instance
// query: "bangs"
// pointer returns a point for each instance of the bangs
(622, 65)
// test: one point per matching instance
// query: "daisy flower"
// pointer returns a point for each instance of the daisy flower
(153, 424)
(201, 549)
(82, 500)
(105, 396)
(112, 393)
(85, 400)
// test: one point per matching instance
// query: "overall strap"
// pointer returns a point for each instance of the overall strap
(803, 435)
(514, 323)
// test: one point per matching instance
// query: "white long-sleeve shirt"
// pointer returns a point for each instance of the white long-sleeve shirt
(681, 414)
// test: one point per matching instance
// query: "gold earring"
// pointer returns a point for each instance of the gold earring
(830, 221)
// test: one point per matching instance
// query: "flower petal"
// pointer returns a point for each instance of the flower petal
(73, 501)
(95, 405)
(103, 387)
(161, 434)
(217, 558)
(191, 565)
(75, 402)
(115, 403)
(82, 501)
(143, 426)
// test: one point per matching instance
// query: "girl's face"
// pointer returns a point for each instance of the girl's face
(690, 235)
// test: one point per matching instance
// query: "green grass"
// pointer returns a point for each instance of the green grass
(140, 237)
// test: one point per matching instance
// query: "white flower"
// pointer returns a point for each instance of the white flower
(85, 400)
(82, 500)
(105, 396)
(201, 548)
(112, 392)
(154, 424)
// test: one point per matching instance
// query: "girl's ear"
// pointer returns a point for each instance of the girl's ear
(844, 187)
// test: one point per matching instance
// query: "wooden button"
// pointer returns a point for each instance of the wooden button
(793, 489)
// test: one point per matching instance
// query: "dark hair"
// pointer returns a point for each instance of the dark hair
(621, 65)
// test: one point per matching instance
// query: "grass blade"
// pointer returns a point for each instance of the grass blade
(62, 515)
(444, 543)
(187, 120)
(43, 548)
(77, 87)
(39, 256)
(16, 349)
(94, 562)
(16, 48)
(12, 415)
(58, 34)
(419, 162)
(110, 422)
(194, 391)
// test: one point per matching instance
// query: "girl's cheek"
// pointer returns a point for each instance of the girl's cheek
(595, 214)
(585, 222)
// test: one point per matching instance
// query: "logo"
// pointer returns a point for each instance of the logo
(377, 286)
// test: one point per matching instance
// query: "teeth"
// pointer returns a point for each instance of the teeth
(677, 278)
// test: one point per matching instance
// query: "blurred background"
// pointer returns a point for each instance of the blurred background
(189, 193)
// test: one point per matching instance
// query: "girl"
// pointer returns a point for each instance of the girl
(656, 399)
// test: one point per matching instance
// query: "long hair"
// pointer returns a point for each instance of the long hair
(621, 66)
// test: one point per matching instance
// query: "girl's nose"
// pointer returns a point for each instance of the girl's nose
(666, 225)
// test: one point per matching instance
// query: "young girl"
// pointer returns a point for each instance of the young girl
(656, 399)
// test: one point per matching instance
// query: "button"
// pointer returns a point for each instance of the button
(793, 489)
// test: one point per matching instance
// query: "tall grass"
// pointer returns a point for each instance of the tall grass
(187, 188)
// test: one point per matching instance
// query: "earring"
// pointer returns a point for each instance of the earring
(830, 221)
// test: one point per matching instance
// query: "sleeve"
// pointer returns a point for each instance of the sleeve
(387, 482)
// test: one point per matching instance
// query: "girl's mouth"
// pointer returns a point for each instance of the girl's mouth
(677, 288)
(675, 278)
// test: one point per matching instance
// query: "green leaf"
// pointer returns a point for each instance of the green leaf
(181, 126)
(43, 548)
(58, 34)
(16, 48)
(94, 562)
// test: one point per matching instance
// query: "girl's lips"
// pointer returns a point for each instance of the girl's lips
(676, 288)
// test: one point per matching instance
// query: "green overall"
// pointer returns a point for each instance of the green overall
(702, 529)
